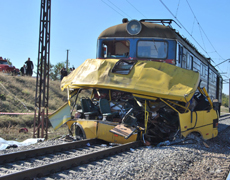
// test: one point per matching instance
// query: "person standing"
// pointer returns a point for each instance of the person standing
(63, 73)
(70, 70)
(29, 67)
(23, 70)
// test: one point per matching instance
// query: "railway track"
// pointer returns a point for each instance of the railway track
(224, 117)
(42, 162)
(23, 165)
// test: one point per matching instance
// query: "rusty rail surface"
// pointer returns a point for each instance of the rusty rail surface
(45, 170)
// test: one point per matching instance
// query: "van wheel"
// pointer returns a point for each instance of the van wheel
(79, 132)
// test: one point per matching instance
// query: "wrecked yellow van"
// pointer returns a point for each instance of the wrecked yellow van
(147, 83)
(122, 101)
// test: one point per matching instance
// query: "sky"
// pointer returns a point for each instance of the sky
(76, 24)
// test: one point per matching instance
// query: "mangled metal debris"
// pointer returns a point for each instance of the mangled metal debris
(122, 108)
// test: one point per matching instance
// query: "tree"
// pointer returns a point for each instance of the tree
(50, 69)
(8, 61)
(225, 100)
(55, 71)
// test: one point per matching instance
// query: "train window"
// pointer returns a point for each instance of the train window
(191, 61)
(184, 61)
(152, 49)
(177, 54)
(213, 77)
(188, 61)
(180, 53)
(203, 70)
(115, 49)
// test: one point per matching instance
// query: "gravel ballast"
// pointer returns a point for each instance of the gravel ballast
(201, 160)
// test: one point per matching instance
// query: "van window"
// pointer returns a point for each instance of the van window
(123, 66)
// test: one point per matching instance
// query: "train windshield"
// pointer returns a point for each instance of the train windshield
(152, 49)
(116, 48)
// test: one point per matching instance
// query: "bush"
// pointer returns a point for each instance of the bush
(225, 100)
(2, 97)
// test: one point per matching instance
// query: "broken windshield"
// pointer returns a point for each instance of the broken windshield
(115, 48)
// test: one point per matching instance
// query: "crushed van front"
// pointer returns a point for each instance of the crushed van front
(152, 101)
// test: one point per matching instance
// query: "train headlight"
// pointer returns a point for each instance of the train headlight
(133, 27)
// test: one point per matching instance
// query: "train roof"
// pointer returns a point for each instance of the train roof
(146, 31)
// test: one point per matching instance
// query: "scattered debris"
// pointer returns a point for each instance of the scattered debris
(114, 144)
(165, 143)
(69, 138)
(205, 144)
(12, 146)
(25, 130)
(131, 149)
(8, 144)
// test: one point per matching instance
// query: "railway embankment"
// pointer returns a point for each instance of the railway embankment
(17, 95)
(196, 159)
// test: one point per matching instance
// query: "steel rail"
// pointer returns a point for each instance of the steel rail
(225, 115)
(68, 163)
(44, 150)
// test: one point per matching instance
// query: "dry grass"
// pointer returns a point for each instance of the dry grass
(12, 133)
(20, 94)
(224, 110)
(19, 97)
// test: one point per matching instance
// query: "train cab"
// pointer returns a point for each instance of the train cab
(138, 40)
(156, 40)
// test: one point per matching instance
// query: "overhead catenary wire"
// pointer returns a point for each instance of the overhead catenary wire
(202, 38)
(203, 30)
(136, 9)
(113, 8)
(120, 9)
(193, 25)
(191, 34)
(177, 7)
(182, 26)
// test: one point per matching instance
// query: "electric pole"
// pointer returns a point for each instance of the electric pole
(42, 80)
(67, 60)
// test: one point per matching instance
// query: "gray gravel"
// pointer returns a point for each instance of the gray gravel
(195, 161)
(202, 160)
